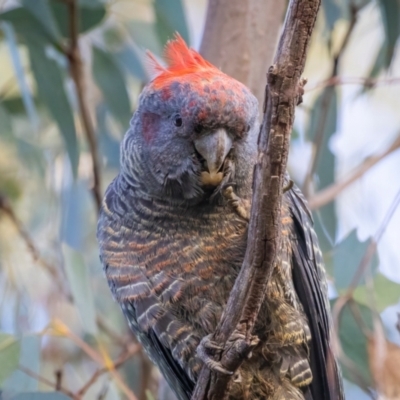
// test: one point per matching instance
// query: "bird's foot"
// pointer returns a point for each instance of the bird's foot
(240, 340)
(241, 206)
(206, 350)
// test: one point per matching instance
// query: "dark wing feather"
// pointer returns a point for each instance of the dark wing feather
(310, 285)
(161, 355)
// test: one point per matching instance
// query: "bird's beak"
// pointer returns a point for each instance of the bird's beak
(213, 148)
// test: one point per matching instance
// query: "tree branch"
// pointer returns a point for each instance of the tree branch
(76, 69)
(282, 95)
(328, 194)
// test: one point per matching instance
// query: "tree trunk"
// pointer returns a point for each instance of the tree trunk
(240, 37)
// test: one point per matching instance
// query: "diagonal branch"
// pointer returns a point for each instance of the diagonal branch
(329, 193)
(282, 95)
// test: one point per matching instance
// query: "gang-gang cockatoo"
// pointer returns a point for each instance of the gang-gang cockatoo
(173, 231)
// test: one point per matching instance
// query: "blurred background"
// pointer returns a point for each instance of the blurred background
(70, 75)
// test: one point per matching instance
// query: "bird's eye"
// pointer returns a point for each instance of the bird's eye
(178, 120)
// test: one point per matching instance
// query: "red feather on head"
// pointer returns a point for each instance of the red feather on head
(182, 61)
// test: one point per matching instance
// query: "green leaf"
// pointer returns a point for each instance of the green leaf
(390, 11)
(347, 257)
(322, 126)
(386, 293)
(20, 75)
(149, 395)
(170, 18)
(89, 16)
(9, 356)
(109, 147)
(354, 342)
(79, 281)
(50, 85)
(332, 12)
(92, 3)
(19, 381)
(6, 130)
(15, 105)
(41, 10)
(145, 36)
(378, 65)
(31, 156)
(111, 82)
(76, 223)
(41, 396)
(27, 25)
(131, 59)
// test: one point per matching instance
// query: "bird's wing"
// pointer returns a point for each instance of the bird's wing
(311, 287)
(149, 315)
(152, 322)
(161, 355)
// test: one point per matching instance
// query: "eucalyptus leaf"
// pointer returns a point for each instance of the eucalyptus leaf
(79, 281)
(41, 10)
(89, 16)
(111, 82)
(332, 12)
(26, 95)
(354, 342)
(41, 396)
(50, 85)
(28, 26)
(145, 36)
(170, 18)
(9, 356)
(6, 131)
(390, 11)
(131, 59)
(347, 257)
(386, 293)
(323, 124)
(109, 147)
(77, 208)
(19, 381)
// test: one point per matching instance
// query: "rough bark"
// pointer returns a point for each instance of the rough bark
(281, 96)
(240, 37)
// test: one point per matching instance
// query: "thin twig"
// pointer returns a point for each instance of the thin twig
(363, 81)
(263, 240)
(76, 68)
(122, 359)
(46, 381)
(60, 328)
(328, 194)
(6, 208)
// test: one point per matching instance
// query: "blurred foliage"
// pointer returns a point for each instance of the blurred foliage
(46, 178)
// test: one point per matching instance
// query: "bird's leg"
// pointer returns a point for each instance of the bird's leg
(241, 206)
(206, 350)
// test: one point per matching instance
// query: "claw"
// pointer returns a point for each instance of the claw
(203, 352)
(241, 206)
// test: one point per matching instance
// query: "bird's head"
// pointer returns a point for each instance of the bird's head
(191, 120)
